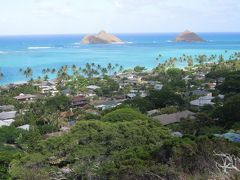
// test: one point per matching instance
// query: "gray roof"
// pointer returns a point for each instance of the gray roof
(7, 108)
(93, 87)
(205, 100)
(25, 96)
(166, 119)
(8, 115)
(3, 123)
(24, 127)
(107, 103)
(200, 92)
(6, 122)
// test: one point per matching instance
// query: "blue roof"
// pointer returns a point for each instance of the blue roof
(72, 123)
(234, 137)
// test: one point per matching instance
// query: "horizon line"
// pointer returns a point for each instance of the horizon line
(82, 33)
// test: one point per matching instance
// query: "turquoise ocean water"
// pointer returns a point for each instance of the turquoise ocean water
(53, 51)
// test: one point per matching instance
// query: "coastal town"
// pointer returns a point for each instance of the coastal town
(189, 101)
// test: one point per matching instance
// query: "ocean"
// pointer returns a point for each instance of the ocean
(53, 51)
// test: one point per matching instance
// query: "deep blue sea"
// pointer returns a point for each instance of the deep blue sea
(53, 51)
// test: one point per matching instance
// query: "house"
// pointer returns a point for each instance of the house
(166, 119)
(108, 104)
(25, 97)
(93, 87)
(5, 88)
(143, 93)
(131, 95)
(152, 112)
(48, 87)
(3, 123)
(7, 108)
(212, 86)
(200, 92)
(200, 76)
(134, 80)
(8, 115)
(204, 100)
(187, 78)
(233, 137)
(24, 127)
(66, 92)
(152, 83)
(6, 122)
(177, 134)
(221, 96)
(79, 101)
(158, 87)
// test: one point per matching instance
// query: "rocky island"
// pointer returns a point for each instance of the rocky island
(188, 36)
(101, 38)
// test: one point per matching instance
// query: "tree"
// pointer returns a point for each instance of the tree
(28, 72)
(231, 83)
(57, 103)
(231, 109)
(143, 104)
(139, 69)
(165, 97)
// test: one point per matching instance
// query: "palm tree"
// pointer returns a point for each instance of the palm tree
(221, 59)
(158, 58)
(53, 71)
(48, 70)
(88, 66)
(74, 67)
(28, 72)
(44, 71)
(201, 59)
(121, 68)
(104, 71)
(46, 77)
(39, 78)
(190, 61)
(109, 67)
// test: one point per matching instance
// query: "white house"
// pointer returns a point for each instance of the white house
(7, 115)
(24, 127)
(204, 100)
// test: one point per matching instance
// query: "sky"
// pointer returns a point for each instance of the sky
(117, 16)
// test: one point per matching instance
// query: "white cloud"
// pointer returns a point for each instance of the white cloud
(76, 16)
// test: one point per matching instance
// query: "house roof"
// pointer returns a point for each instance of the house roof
(204, 100)
(107, 103)
(200, 92)
(7, 107)
(166, 119)
(131, 95)
(3, 123)
(234, 137)
(6, 122)
(66, 91)
(78, 98)
(25, 96)
(93, 87)
(7, 115)
(24, 127)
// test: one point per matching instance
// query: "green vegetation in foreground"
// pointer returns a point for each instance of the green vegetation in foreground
(115, 148)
